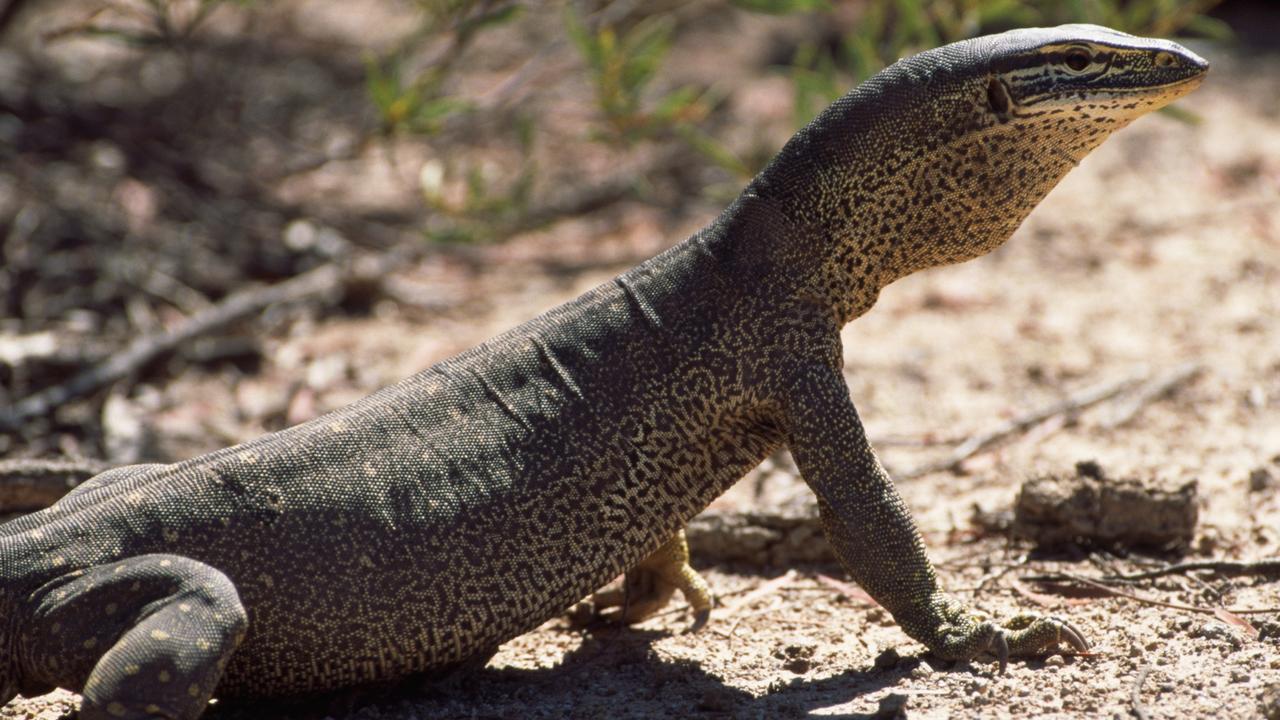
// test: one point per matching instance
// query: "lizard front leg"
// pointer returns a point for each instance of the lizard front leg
(873, 535)
(649, 586)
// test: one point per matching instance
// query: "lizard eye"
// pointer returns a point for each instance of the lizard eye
(1077, 59)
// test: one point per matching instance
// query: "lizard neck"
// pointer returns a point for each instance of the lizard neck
(910, 170)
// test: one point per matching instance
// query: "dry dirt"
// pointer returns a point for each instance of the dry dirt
(1162, 248)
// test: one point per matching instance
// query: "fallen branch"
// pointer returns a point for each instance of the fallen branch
(1266, 566)
(1106, 590)
(27, 485)
(1073, 404)
(330, 278)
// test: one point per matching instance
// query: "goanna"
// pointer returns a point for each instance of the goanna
(424, 525)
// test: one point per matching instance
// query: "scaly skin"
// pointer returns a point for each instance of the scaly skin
(419, 528)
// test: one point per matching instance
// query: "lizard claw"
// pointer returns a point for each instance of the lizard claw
(1001, 649)
(1037, 635)
(700, 618)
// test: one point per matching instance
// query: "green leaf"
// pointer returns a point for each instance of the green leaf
(782, 7)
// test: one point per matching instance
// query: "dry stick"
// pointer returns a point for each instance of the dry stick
(1153, 391)
(1072, 404)
(1256, 567)
(1150, 601)
(324, 279)
(1136, 696)
(34, 484)
(767, 588)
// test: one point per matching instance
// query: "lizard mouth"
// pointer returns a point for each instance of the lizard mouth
(1161, 95)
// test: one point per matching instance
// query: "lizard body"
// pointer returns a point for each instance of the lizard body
(417, 529)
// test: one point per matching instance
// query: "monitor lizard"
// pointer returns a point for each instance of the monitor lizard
(417, 529)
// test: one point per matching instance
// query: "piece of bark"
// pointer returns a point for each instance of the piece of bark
(1089, 508)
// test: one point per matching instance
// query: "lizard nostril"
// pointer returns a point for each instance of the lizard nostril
(1164, 59)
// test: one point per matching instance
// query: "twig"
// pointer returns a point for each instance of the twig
(1136, 696)
(1153, 391)
(1240, 567)
(766, 588)
(1073, 404)
(328, 278)
(1094, 584)
(853, 593)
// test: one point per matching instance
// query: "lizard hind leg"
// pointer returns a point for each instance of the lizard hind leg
(168, 624)
(651, 584)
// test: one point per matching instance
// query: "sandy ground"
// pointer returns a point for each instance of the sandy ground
(1162, 248)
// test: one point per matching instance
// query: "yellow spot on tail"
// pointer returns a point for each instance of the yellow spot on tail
(169, 535)
(132, 669)
(184, 607)
(166, 563)
(159, 635)
(202, 644)
(59, 561)
(337, 426)
(37, 534)
(249, 458)
(116, 709)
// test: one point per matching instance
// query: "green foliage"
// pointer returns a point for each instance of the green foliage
(412, 99)
(482, 209)
(416, 105)
(782, 7)
(622, 66)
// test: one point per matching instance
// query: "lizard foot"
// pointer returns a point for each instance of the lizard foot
(963, 635)
(651, 584)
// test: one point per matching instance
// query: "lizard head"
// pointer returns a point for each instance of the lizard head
(941, 156)
(1072, 86)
